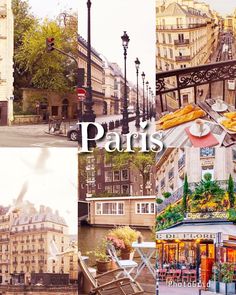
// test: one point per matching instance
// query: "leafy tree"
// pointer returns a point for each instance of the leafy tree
(185, 194)
(231, 191)
(34, 67)
(143, 162)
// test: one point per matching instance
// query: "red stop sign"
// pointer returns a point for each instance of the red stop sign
(81, 92)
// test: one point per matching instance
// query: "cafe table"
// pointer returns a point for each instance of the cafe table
(146, 251)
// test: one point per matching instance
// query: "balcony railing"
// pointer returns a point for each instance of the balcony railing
(183, 58)
(191, 78)
(181, 42)
(180, 27)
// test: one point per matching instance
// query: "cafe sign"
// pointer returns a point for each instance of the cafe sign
(186, 236)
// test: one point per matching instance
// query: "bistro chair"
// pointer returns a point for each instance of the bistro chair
(193, 275)
(110, 285)
(177, 275)
(170, 275)
(127, 265)
(185, 276)
(161, 274)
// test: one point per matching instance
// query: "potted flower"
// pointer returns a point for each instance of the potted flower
(227, 286)
(214, 281)
(103, 261)
(124, 236)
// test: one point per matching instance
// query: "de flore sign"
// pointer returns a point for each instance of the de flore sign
(186, 236)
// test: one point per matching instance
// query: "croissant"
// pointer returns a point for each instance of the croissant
(231, 125)
(187, 109)
(231, 115)
(198, 113)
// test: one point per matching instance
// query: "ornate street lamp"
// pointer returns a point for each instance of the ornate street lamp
(150, 103)
(144, 117)
(89, 115)
(147, 83)
(137, 123)
(125, 123)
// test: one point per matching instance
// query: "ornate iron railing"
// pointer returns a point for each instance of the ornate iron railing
(179, 27)
(193, 77)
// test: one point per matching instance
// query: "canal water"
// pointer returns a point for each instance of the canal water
(89, 237)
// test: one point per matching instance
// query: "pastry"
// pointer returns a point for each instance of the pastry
(231, 115)
(195, 114)
(187, 109)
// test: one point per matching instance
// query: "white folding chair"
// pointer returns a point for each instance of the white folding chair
(127, 265)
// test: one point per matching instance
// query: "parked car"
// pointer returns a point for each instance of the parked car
(73, 132)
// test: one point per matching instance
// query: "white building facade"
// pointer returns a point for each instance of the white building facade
(6, 62)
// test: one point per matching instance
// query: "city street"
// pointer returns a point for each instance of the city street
(37, 136)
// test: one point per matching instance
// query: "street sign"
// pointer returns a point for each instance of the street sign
(81, 92)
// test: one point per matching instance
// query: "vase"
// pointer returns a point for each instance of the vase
(126, 254)
(103, 266)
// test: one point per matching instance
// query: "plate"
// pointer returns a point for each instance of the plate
(225, 129)
(194, 132)
(224, 108)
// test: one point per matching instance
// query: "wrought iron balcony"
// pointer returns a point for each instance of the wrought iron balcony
(192, 77)
(183, 58)
(179, 27)
(181, 42)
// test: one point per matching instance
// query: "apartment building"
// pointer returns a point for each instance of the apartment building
(28, 239)
(187, 35)
(6, 63)
(97, 74)
(172, 166)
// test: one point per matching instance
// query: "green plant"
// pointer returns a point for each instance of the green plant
(159, 201)
(185, 194)
(166, 195)
(215, 272)
(231, 214)
(100, 252)
(172, 215)
(231, 191)
(126, 234)
(227, 272)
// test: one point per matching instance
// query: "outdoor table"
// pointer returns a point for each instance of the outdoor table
(145, 256)
(206, 106)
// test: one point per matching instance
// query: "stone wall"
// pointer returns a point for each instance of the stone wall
(27, 119)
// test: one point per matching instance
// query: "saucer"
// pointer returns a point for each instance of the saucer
(223, 108)
(194, 132)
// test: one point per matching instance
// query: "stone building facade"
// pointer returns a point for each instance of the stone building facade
(187, 34)
(6, 62)
(175, 163)
(27, 239)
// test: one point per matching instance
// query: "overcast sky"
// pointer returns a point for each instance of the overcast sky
(223, 7)
(109, 20)
(51, 177)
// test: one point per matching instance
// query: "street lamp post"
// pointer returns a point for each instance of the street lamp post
(125, 122)
(137, 123)
(150, 103)
(89, 115)
(144, 117)
(147, 83)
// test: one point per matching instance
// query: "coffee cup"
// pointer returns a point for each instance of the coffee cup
(219, 103)
(199, 126)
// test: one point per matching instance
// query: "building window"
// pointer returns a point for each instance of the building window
(234, 154)
(207, 152)
(99, 172)
(116, 175)
(54, 110)
(116, 189)
(125, 189)
(108, 176)
(90, 176)
(169, 37)
(108, 188)
(171, 174)
(124, 175)
(145, 208)
(163, 183)
(112, 208)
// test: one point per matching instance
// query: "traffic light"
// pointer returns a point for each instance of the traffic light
(50, 44)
